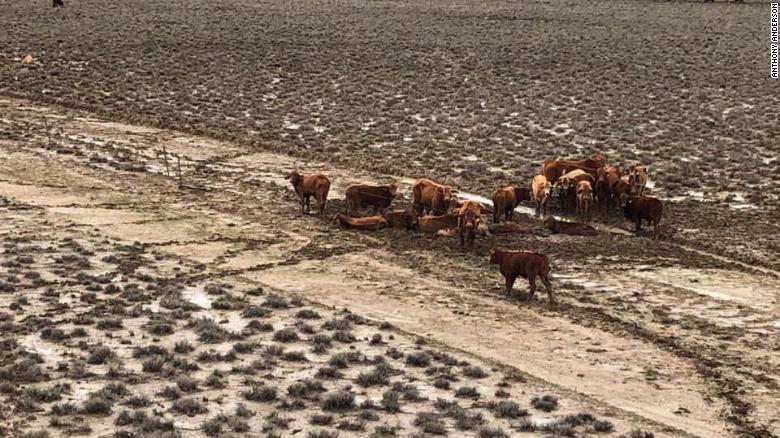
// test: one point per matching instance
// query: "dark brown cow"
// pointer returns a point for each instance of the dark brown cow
(469, 217)
(429, 196)
(310, 185)
(571, 228)
(378, 197)
(371, 223)
(529, 265)
(620, 187)
(637, 208)
(607, 177)
(58, 4)
(506, 199)
(400, 218)
(432, 224)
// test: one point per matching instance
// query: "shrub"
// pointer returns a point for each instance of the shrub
(474, 372)
(96, 406)
(467, 392)
(429, 422)
(418, 359)
(285, 335)
(546, 403)
(339, 400)
(189, 407)
(260, 393)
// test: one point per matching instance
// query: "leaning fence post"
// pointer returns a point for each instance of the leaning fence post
(178, 168)
(165, 157)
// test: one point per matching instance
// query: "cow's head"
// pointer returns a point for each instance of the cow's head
(584, 189)
(549, 222)
(294, 177)
(444, 193)
(494, 254)
(338, 219)
(625, 199)
(392, 187)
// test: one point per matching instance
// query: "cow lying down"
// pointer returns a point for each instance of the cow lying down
(371, 223)
(571, 228)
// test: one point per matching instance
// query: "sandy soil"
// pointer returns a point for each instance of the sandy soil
(664, 336)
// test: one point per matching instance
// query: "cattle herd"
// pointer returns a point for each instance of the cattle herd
(580, 186)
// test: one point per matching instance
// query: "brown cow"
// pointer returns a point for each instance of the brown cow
(371, 223)
(567, 187)
(400, 218)
(529, 265)
(379, 197)
(509, 228)
(584, 199)
(619, 188)
(506, 199)
(310, 185)
(468, 221)
(429, 196)
(607, 177)
(637, 179)
(637, 208)
(571, 228)
(541, 187)
(432, 224)
(554, 169)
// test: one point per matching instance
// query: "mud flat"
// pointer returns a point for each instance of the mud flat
(222, 305)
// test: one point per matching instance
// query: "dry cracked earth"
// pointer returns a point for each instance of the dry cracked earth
(134, 302)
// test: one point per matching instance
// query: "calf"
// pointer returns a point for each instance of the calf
(310, 185)
(506, 199)
(637, 208)
(571, 228)
(637, 179)
(468, 221)
(541, 187)
(584, 199)
(371, 223)
(429, 196)
(378, 197)
(620, 187)
(432, 224)
(529, 265)
(567, 188)
(400, 219)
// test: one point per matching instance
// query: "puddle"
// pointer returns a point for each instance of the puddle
(197, 296)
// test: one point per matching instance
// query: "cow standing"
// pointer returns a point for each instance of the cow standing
(638, 208)
(541, 187)
(584, 199)
(378, 197)
(506, 199)
(468, 221)
(637, 180)
(307, 186)
(429, 196)
(529, 265)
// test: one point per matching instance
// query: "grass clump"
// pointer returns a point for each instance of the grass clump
(338, 400)
(546, 403)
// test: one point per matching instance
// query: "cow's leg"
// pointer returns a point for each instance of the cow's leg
(321, 203)
(509, 214)
(531, 286)
(303, 204)
(546, 280)
(510, 282)
(638, 223)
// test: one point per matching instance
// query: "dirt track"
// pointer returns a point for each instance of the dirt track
(656, 335)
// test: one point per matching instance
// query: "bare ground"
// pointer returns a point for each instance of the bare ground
(661, 335)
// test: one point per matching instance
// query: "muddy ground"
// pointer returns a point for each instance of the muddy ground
(648, 335)
(677, 336)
